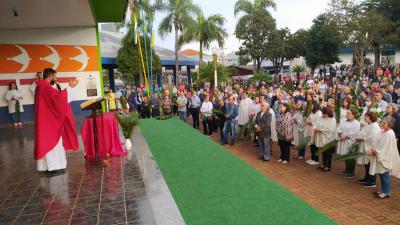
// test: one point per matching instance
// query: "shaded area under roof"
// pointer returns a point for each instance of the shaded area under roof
(110, 43)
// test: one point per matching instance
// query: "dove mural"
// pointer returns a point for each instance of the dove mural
(63, 58)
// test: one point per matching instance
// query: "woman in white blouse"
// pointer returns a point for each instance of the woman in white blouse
(325, 132)
(206, 112)
(14, 98)
(369, 131)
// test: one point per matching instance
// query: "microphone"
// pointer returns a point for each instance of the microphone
(58, 86)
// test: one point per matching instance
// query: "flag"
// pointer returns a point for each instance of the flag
(135, 29)
(152, 39)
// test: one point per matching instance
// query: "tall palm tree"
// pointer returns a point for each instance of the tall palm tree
(248, 7)
(137, 7)
(179, 16)
(205, 30)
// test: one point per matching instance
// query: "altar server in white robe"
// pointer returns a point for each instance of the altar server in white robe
(385, 159)
(348, 131)
(325, 132)
(369, 131)
(244, 112)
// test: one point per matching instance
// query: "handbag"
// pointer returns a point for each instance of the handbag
(288, 137)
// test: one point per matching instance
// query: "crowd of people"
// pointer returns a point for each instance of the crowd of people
(354, 117)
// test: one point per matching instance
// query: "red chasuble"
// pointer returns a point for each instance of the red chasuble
(53, 119)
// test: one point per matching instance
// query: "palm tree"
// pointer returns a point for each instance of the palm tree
(205, 30)
(179, 16)
(248, 7)
(137, 7)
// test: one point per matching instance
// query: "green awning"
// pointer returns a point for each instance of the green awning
(107, 11)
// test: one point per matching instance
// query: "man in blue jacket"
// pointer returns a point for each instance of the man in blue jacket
(231, 112)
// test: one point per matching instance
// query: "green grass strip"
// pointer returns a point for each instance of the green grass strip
(212, 186)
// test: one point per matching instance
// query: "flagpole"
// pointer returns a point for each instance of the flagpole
(143, 66)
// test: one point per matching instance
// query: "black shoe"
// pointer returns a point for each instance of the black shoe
(55, 172)
(363, 181)
(264, 160)
(232, 143)
(369, 185)
(223, 143)
(260, 157)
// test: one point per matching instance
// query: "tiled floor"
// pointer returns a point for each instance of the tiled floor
(85, 194)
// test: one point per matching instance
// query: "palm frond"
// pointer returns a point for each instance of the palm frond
(127, 122)
(326, 147)
(304, 142)
(350, 155)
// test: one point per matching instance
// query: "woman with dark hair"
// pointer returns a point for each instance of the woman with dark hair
(14, 98)
(369, 131)
(325, 131)
(343, 110)
(285, 132)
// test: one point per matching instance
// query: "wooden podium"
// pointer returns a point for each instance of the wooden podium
(94, 105)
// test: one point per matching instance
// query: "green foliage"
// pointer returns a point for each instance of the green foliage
(124, 103)
(323, 43)
(127, 122)
(308, 109)
(354, 153)
(304, 142)
(179, 16)
(298, 69)
(262, 76)
(128, 59)
(254, 28)
(326, 147)
(279, 49)
(297, 43)
(206, 73)
(244, 60)
(205, 30)
(337, 109)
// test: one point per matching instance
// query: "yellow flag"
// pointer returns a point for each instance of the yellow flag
(152, 39)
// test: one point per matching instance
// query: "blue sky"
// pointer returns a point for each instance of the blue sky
(294, 14)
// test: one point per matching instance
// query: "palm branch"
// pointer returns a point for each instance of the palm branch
(350, 155)
(304, 142)
(337, 109)
(308, 110)
(326, 147)
(218, 112)
(124, 103)
(127, 122)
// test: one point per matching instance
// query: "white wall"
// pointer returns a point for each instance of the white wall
(348, 58)
(84, 36)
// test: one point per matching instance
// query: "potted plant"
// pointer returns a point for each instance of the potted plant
(127, 123)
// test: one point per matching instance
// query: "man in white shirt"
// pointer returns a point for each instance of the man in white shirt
(207, 119)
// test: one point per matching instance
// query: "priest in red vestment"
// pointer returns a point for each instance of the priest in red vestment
(55, 130)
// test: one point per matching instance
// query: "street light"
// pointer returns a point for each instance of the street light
(215, 58)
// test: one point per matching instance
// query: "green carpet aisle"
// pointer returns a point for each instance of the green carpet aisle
(212, 186)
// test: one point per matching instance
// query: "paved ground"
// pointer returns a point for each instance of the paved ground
(85, 194)
(344, 200)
